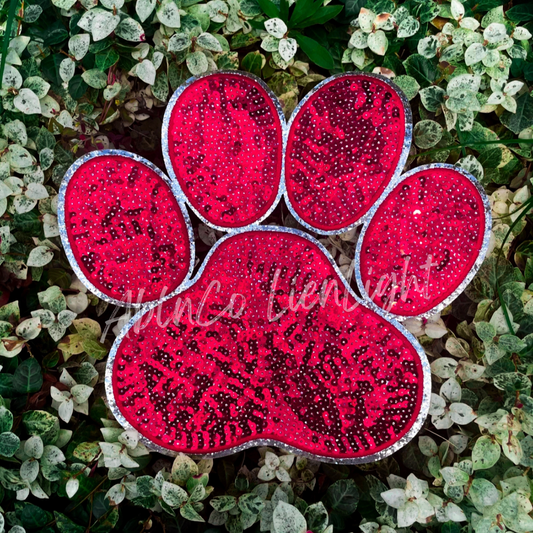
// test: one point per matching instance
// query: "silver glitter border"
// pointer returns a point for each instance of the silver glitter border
(401, 161)
(468, 278)
(412, 432)
(285, 129)
(63, 228)
(166, 152)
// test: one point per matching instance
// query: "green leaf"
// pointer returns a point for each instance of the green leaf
(33, 517)
(315, 51)
(428, 446)
(183, 468)
(483, 493)
(269, 8)
(9, 444)
(251, 503)
(408, 27)
(511, 343)
(11, 15)
(38, 422)
(28, 377)
(485, 331)
(77, 87)
(179, 42)
(455, 477)
(253, 62)
(188, 512)
(52, 299)
(512, 382)
(317, 517)
(66, 525)
(6, 385)
(427, 133)
(520, 13)
(86, 451)
(223, 503)
(421, 69)
(50, 68)
(342, 496)
(173, 495)
(408, 85)
(197, 63)
(106, 59)
(321, 16)
(523, 117)
(94, 349)
(6, 419)
(37, 85)
(130, 30)
(284, 10)
(303, 9)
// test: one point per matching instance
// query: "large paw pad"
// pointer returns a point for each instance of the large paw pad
(268, 344)
(330, 378)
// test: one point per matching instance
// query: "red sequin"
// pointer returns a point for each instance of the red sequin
(331, 379)
(225, 147)
(423, 241)
(126, 229)
(344, 146)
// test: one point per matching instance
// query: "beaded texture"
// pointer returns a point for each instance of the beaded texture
(344, 145)
(268, 344)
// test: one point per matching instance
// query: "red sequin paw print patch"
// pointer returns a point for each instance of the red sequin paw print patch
(267, 344)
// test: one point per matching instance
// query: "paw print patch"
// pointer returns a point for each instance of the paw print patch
(266, 343)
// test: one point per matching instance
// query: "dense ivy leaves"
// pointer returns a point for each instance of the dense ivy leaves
(80, 76)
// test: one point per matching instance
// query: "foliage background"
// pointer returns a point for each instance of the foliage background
(88, 74)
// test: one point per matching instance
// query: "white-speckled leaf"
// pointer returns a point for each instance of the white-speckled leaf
(408, 27)
(144, 8)
(146, 71)
(67, 67)
(276, 27)
(209, 42)
(197, 63)
(78, 45)
(27, 102)
(95, 78)
(103, 25)
(11, 78)
(378, 43)
(130, 30)
(168, 14)
(287, 48)
(287, 519)
(112, 4)
(64, 4)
